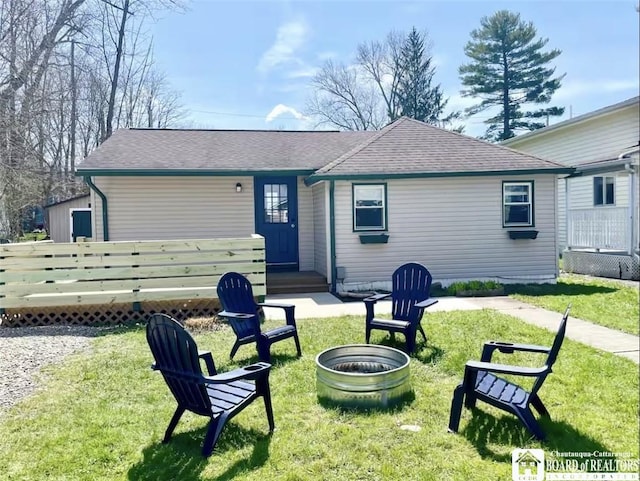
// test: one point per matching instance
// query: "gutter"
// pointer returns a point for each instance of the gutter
(312, 179)
(332, 233)
(103, 198)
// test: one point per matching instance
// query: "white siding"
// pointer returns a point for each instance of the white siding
(305, 221)
(454, 227)
(320, 216)
(600, 138)
(148, 208)
(59, 218)
(581, 191)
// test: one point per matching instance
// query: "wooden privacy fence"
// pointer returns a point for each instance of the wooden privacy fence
(115, 282)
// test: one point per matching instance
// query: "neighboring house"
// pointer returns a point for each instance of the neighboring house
(69, 219)
(599, 235)
(351, 206)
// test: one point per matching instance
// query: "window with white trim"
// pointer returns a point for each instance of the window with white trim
(517, 201)
(369, 207)
(604, 190)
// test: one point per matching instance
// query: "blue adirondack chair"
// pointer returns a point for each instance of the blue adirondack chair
(218, 396)
(481, 383)
(409, 298)
(241, 311)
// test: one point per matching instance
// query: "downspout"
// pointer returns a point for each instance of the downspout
(332, 233)
(103, 198)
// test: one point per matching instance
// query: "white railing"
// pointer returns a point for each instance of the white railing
(604, 228)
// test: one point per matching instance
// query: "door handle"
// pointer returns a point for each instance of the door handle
(293, 226)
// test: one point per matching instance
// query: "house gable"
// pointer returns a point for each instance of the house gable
(408, 148)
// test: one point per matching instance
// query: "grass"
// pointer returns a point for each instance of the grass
(32, 236)
(101, 415)
(601, 301)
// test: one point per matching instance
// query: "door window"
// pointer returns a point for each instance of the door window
(276, 204)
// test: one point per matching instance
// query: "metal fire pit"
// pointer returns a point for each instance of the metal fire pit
(362, 376)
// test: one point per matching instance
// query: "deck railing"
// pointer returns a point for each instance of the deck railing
(605, 228)
(104, 273)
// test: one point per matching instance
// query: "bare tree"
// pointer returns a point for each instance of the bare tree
(345, 99)
(366, 94)
(70, 71)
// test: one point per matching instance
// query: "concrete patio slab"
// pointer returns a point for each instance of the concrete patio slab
(324, 304)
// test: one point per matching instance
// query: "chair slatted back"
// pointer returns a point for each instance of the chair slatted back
(411, 283)
(176, 357)
(555, 349)
(236, 295)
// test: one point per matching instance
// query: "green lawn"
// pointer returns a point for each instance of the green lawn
(603, 302)
(102, 415)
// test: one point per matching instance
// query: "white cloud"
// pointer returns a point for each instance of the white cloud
(290, 37)
(282, 109)
(303, 72)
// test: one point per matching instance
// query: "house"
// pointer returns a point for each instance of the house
(351, 206)
(598, 203)
(69, 219)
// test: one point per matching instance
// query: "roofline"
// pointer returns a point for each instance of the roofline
(420, 175)
(574, 121)
(187, 172)
(602, 167)
(82, 196)
(236, 130)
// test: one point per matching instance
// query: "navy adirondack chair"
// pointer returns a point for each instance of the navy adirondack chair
(481, 383)
(409, 298)
(218, 396)
(241, 311)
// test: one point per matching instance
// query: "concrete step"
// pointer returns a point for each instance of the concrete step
(295, 282)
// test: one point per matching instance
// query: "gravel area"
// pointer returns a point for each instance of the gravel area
(25, 350)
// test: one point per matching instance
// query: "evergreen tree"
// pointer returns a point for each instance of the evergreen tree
(417, 97)
(509, 69)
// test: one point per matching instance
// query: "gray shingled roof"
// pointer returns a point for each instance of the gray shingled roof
(404, 147)
(219, 150)
(408, 146)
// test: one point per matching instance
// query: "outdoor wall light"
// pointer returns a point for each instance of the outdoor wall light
(238, 187)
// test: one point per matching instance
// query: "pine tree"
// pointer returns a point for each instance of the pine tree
(418, 99)
(509, 69)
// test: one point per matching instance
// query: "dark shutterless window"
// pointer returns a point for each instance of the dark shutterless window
(603, 190)
(517, 201)
(369, 207)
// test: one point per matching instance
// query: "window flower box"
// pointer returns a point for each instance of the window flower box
(523, 234)
(374, 238)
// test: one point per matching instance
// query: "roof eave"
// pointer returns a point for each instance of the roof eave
(602, 168)
(187, 172)
(417, 175)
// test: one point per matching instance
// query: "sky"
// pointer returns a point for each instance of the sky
(248, 64)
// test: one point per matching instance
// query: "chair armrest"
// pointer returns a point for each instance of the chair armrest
(289, 311)
(509, 348)
(505, 368)
(250, 372)
(208, 360)
(376, 297)
(426, 303)
(235, 315)
(276, 304)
